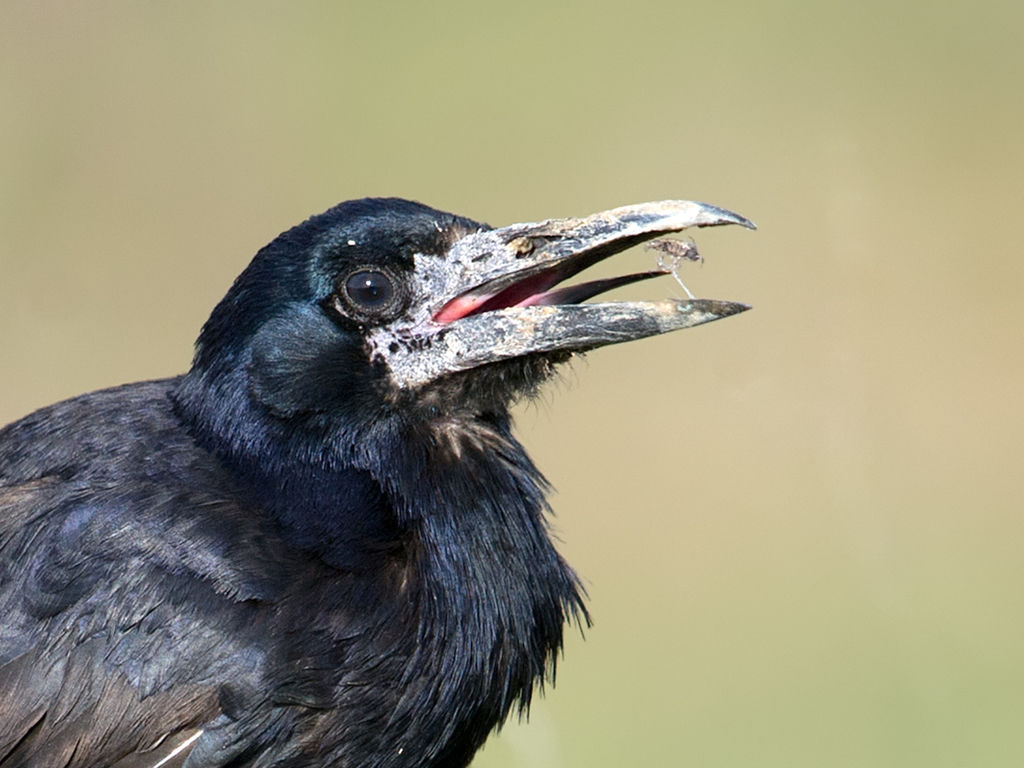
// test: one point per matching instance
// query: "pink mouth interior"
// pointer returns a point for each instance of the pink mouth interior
(528, 291)
(533, 291)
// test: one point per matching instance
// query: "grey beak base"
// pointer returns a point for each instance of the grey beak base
(444, 335)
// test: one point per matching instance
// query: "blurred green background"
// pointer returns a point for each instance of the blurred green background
(801, 528)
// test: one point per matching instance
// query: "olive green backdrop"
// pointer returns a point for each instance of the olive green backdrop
(801, 528)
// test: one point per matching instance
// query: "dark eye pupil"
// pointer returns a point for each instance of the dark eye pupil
(369, 289)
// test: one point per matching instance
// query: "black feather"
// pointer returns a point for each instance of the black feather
(277, 549)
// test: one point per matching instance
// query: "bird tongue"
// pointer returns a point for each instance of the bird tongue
(482, 300)
(459, 307)
(518, 294)
(534, 290)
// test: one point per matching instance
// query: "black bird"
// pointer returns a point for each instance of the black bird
(322, 546)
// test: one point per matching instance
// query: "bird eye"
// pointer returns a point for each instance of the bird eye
(370, 294)
(370, 290)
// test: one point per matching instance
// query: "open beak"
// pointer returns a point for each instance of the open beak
(495, 294)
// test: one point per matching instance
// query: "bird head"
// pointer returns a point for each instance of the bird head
(385, 308)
